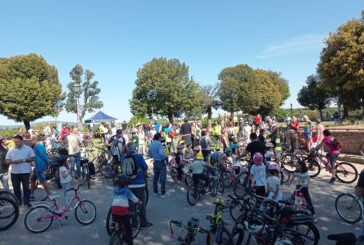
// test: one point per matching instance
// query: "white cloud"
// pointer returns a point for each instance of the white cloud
(294, 45)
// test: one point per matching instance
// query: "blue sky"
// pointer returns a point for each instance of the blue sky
(115, 38)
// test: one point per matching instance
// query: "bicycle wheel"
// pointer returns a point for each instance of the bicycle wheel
(361, 149)
(314, 168)
(146, 195)
(239, 187)
(193, 195)
(237, 236)
(106, 170)
(226, 179)
(346, 172)
(188, 181)
(235, 209)
(348, 207)
(85, 212)
(116, 238)
(108, 222)
(213, 187)
(9, 212)
(8, 194)
(285, 176)
(38, 219)
(135, 224)
(303, 233)
(220, 186)
(289, 162)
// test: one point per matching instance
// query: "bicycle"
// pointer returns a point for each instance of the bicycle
(40, 217)
(86, 175)
(134, 220)
(117, 236)
(349, 207)
(9, 211)
(345, 172)
(218, 233)
(191, 228)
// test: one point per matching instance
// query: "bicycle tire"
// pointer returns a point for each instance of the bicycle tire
(83, 209)
(285, 176)
(106, 169)
(37, 211)
(188, 181)
(348, 206)
(225, 179)
(220, 186)
(237, 236)
(146, 196)
(239, 185)
(213, 188)
(193, 195)
(314, 238)
(135, 228)
(9, 210)
(289, 161)
(10, 195)
(225, 237)
(235, 209)
(116, 238)
(348, 170)
(314, 168)
(361, 149)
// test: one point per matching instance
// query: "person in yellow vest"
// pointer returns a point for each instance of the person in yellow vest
(216, 131)
(103, 131)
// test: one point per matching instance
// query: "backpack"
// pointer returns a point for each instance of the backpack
(128, 166)
(170, 134)
(336, 143)
(203, 143)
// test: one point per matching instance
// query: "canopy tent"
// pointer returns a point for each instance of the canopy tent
(100, 117)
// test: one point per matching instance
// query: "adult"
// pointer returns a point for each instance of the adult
(137, 185)
(276, 140)
(336, 118)
(319, 131)
(247, 130)
(117, 145)
(20, 158)
(74, 151)
(64, 132)
(103, 131)
(169, 135)
(158, 127)
(156, 151)
(307, 132)
(254, 146)
(48, 129)
(257, 122)
(293, 127)
(141, 136)
(152, 131)
(4, 168)
(40, 166)
(205, 146)
(186, 130)
(230, 133)
(240, 131)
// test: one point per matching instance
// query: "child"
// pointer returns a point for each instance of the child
(135, 138)
(258, 174)
(197, 170)
(120, 206)
(334, 148)
(178, 156)
(274, 183)
(302, 183)
(64, 176)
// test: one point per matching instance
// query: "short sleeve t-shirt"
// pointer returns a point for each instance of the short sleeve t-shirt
(117, 144)
(20, 154)
(259, 174)
(301, 178)
(74, 144)
(273, 183)
(64, 180)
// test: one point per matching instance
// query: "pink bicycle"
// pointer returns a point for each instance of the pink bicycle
(40, 217)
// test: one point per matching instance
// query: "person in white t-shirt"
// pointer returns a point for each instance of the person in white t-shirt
(258, 174)
(20, 158)
(274, 183)
(74, 150)
(65, 177)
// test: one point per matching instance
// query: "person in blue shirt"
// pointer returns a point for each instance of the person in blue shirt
(137, 185)
(156, 151)
(40, 167)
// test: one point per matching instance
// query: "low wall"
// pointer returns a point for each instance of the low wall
(350, 138)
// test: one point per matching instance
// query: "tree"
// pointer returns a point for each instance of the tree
(29, 88)
(210, 100)
(163, 87)
(88, 93)
(341, 66)
(314, 95)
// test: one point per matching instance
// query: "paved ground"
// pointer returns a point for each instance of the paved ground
(160, 211)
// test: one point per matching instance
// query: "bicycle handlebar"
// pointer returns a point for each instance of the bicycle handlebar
(78, 187)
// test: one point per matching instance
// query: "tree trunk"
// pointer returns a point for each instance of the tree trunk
(232, 116)
(170, 117)
(27, 125)
(346, 112)
(320, 112)
(209, 115)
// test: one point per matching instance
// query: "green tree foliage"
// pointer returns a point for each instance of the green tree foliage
(29, 88)
(163, 87)
(210, 100)
(341, 66)
(253, 91)
(315, 95)
(88, 94)
(135, 119)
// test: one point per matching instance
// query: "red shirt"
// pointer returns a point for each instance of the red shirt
(258, 120)
(66, 131)
(294, 125)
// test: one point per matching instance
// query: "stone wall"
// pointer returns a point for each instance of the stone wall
(350, 138)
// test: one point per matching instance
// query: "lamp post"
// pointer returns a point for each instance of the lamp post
(77, 88)
(291, 111)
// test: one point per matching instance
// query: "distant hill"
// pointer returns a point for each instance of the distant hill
(3, 127)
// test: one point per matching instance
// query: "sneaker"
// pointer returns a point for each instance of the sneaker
(165, 195)
(155, 194)
(332, 181)
(146, 226)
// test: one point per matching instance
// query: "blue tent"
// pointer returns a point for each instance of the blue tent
(100, 117)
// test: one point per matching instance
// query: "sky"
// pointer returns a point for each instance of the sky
(115, 38)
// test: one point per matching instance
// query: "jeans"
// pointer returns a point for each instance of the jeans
(65, 187)
(23, 179)
(140, 194)
(76, 159)
(160, 173)
(4, 177)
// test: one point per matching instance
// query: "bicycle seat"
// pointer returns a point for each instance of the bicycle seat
(343, 238)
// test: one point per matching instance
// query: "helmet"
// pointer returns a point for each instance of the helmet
(199, 156)
(123, 180)
(258, 158)
(233, 146)
(269, 145)
(214, 156)
(181, 141)
(179, 146)
(196, 148)
(274, 167)
(134, 130)
(228, 150)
